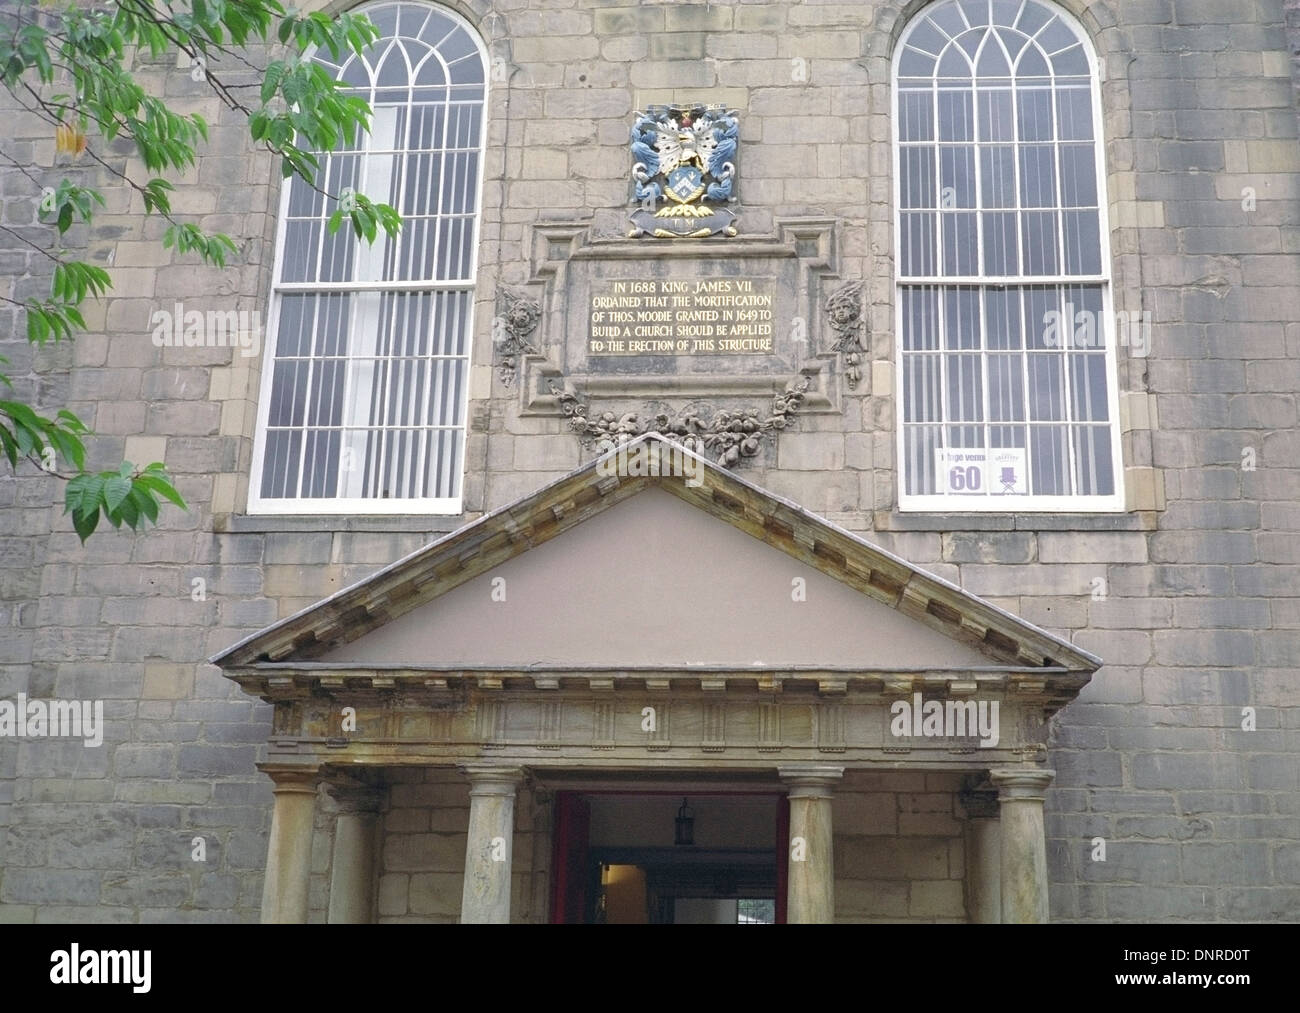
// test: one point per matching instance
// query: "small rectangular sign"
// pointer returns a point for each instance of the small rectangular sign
(979, 472)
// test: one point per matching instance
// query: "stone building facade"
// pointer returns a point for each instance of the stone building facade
(1150, 769)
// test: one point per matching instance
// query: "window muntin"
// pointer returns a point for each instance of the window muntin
(1006, 354)
(365, 387)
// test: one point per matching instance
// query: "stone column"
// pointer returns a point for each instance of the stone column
(1021, 792)
(352, 870)
(488, 849)
(983, 857)
(288, 856)
(810, 897)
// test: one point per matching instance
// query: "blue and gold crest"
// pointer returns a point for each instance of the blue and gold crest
(683, 171)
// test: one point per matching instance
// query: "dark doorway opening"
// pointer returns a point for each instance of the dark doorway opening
(682, 886)
(615, 859)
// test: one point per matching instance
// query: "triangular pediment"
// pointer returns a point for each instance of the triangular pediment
(632, 573)
(656, 582)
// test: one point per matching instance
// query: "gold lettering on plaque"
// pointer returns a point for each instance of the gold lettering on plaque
(719, 316)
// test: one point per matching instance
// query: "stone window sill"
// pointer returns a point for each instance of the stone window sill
(1142, 520)
(424, 523)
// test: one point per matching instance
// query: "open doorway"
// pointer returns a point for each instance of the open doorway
(660, 858)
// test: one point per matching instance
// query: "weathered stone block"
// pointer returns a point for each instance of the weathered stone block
(864, 814)
(143, 761)
(424, 852)
(50, 886)
(936, 899)
(1091, 547)
(876, 898)
(697, 18)
(436, 893)
(631, 21)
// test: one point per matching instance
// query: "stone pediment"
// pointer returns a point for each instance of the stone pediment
(655, 582)
(628, 576)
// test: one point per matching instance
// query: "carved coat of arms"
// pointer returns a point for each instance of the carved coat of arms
(683, 169)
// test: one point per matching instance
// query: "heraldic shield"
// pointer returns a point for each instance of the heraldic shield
(683, 171)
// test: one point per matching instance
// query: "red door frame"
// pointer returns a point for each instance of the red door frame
(569, 858)
(572, 834)
(782, 857)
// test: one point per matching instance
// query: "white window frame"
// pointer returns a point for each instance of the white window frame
(443, 505)
(956, 503)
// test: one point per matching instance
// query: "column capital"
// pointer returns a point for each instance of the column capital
(810, 780)
(291, 778)
(492, 779)
(1016, 784)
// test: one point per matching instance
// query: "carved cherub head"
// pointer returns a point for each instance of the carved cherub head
(522, 316)
(845, 307)
(844, 314)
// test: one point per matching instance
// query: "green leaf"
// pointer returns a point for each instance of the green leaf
(73, 493)
(70, 422)
(116, 489)
(19, 412)
(144, 503)
(38, 325)
(274, 73)
(163, 488)
(68, 446)
(127, 513)
(91, 488)
(85, 524)
(9, 446)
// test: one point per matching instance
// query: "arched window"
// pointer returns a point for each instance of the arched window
(364, 396)
(1006, 378)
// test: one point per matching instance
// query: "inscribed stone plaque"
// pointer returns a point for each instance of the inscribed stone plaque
(682, 316)
(626, 320)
